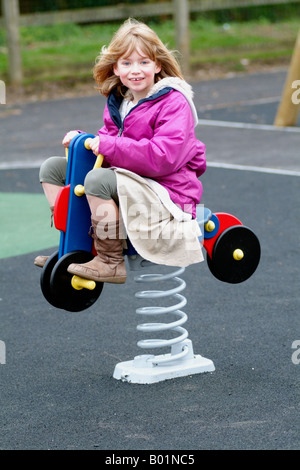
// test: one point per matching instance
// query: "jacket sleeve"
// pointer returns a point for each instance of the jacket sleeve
(103, 132)
(172, 145)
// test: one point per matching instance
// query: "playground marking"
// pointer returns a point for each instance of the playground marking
(20, 165)
(210, 107)
(208, 123)
(245, 125)
(274, 171)
(229, 166)
(32, 232)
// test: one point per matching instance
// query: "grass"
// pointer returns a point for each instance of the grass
(233, 44)
(69, 51)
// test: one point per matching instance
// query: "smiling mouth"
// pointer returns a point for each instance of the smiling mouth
(136, 79)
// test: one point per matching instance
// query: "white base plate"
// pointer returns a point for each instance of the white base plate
(142, 370)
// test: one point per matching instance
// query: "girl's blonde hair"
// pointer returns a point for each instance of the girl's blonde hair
(130, 36)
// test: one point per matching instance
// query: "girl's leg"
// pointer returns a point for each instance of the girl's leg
(109, 265)
(51, 191)
(52, 177)
(103, 208)
(101, 192)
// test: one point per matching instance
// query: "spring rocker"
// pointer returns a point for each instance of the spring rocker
(233, 254)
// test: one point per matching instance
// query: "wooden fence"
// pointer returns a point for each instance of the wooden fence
(141, 10)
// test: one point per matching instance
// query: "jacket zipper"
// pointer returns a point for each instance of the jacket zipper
(138, 104)
(122, 126)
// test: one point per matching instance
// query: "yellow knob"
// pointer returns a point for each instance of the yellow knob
(238, 254)
(79, 190)
(79, 283)
(210, 226)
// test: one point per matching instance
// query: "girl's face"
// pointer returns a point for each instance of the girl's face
(137, 72)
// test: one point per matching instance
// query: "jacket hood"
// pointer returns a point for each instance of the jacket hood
(180, 85)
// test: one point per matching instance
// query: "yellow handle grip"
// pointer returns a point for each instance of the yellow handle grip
(99, 161)
(100, 157)
(79, 189)
(87, 143)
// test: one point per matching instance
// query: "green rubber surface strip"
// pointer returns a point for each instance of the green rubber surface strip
(25, 224)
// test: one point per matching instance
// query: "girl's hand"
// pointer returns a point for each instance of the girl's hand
(94, 145)
(68, 137)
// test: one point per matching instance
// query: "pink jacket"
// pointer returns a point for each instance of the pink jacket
(157, 140)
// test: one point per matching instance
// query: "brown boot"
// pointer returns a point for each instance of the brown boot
(41, 259)
(109, 264)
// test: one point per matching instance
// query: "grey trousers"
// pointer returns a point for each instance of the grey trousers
(100, 182)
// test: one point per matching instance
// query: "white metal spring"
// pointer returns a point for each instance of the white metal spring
(174, 309)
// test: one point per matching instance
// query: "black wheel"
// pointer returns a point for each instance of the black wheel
(45, 279)
(235, 255)
(62, 291)
(212, 269)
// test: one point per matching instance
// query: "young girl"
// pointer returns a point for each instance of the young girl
(152, 159)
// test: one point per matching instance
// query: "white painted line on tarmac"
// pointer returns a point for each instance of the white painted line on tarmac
(258, 169)
(211, 107)
(245, 125)
(229, 166)
(20, 165)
